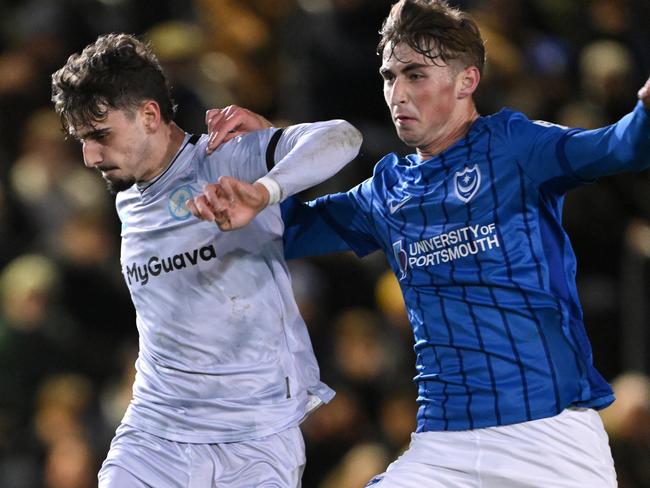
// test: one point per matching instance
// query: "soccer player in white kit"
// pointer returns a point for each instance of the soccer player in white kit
(225, 371)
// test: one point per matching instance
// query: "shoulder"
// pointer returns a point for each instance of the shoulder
(390, 162)
(386, 173)
(253, 143)
(200, 143)
(518, 132)
(517, 121)
(506, 120)
(252, 140)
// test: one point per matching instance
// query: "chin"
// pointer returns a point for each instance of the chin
(407, 138)
(409, 141)
(116, 186)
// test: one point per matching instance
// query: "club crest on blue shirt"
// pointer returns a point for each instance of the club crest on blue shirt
(401, 258)
(467, 183)
(177, 202)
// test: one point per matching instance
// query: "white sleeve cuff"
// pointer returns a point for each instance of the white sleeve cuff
(273, 187)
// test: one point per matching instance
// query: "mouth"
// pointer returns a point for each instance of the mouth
(106, 171)
(403, 119)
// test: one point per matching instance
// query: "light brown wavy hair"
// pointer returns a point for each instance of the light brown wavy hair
(434, 29)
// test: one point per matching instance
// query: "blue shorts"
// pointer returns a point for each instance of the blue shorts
(137, 459)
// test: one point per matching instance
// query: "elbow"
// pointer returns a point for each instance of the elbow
(631, 165)
(354, 134)
(633, 158)
(349, 137)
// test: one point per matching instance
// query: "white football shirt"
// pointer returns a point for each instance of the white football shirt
(224, 354)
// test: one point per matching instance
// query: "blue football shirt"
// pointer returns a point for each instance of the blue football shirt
(474, 236)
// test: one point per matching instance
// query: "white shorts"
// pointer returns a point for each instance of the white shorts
(570, 450)
(140, 460)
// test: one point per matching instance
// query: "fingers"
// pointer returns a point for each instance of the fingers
(210, 205)
(228, 187)
(232, 134)
(254, 197)
(211, 114)
(215, 139)
(222, 219)
(231, 122)
(214, 120)
(223, 222)
(201, 208)
(230, 203)
(221, 202)
(222, 126)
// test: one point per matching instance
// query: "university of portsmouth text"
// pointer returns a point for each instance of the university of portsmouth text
(452, 245)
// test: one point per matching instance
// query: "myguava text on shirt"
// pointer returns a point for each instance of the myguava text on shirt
(155, 265)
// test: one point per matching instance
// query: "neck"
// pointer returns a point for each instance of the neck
(164, 149)
(455, 129)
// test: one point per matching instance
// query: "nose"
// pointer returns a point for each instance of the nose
(396, 93)
(92, 153)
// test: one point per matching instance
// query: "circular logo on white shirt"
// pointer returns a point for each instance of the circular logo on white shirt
(177, 202)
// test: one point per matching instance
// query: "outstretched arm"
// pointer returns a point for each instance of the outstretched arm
(332, 223)
(306, 155)
(306, 233)
(563, 158)
(623, 146)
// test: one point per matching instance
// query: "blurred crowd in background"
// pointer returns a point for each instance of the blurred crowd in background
(67, 329)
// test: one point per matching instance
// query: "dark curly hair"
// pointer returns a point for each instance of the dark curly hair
(117, 71)
(434, 29)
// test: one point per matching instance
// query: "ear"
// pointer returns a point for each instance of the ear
(467, 81)
(150, 114)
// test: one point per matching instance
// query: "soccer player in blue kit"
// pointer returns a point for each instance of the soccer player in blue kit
(471, 226)
(225, 371)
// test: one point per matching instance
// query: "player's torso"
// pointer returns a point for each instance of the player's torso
(206, 300)
(468, 217)
(462, 233)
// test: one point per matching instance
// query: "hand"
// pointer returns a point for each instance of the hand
(232, 121)
(644, 94)
(230, 203)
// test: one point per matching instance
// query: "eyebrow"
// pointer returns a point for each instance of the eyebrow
(92, 134)
(405, 69)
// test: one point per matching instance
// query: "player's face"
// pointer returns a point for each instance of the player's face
(118, 147)
(421, 96)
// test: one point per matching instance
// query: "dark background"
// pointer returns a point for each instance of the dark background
(67, 328)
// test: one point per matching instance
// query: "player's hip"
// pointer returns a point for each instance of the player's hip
(568, 450)
(143, 459)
